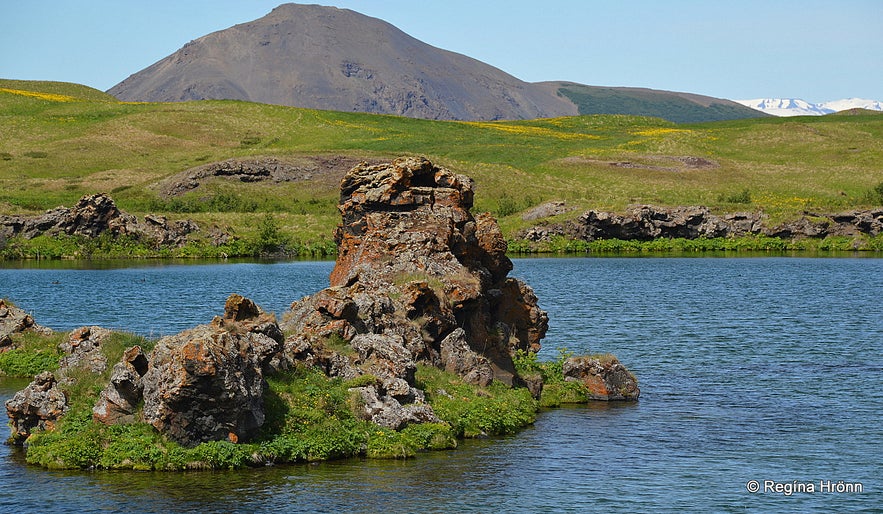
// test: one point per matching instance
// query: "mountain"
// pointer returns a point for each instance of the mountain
(852, 103)
(336, 59)
(798, 107)
(785, 107)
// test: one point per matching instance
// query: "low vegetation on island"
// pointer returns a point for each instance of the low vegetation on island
(310, 417)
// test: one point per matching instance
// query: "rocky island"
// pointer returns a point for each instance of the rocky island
(421, 338)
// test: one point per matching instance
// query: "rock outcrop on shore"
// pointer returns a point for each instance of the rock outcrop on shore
(36, 407)
(647, 222)
(93, 216)
(14, 320)
(418, 280)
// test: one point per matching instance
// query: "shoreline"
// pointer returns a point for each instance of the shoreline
(67, 248)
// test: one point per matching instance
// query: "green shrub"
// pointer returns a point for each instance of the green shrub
(558, 393)
(742, 197)
(384, 443)
(136, 446)
(270, 238)
(553, 370)
(875, 195)
(432, 436)
(335, 439)
(221, 454)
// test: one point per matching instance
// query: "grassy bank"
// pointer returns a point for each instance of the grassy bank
(284, 245)
(759, 243)
(309, 417)
(61, 141)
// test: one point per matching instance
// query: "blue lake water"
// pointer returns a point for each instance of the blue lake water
(766, 369)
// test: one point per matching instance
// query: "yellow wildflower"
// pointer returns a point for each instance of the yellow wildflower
(52, 97)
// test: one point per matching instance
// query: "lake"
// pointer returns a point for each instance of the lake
(765, 369)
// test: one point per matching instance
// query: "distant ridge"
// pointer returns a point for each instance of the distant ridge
(672, 106)
(336, 59)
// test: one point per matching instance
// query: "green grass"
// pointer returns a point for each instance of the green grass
(472, 411)
(53, 152)
(32, 353)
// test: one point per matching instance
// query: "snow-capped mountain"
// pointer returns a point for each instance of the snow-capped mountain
(798, 107)
(852, 103)
(786, 107)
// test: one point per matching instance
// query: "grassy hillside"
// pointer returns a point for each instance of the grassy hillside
(677, 107)
(61, 141)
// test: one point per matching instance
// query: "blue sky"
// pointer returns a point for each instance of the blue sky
(814, 50)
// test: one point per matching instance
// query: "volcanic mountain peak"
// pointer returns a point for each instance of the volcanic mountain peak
(336, 59)
(329, 58)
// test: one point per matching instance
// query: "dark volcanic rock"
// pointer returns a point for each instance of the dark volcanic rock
(413, 261)
(93, 216)
(545, 210)
(417, 279)
(646, 222)
(82, 349)
(324, 168)
(119, 400)
(207, 383)
(388, 412)
(605, 377)
(14, 320)
(37, 406)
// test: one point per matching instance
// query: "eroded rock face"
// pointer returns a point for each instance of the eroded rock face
(413, 262)
(417, 279)
(36, 407)
(14, 320)
(119, 400)
(647, 222)
(94, 215)
(82, 349)
(206, 383)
